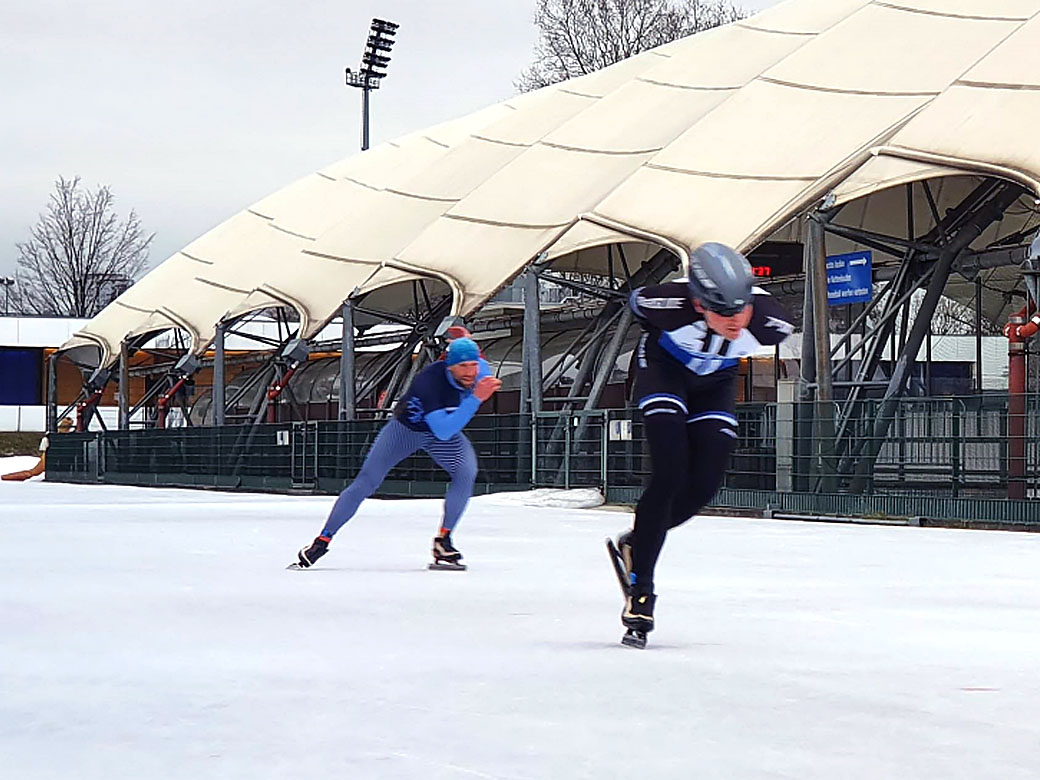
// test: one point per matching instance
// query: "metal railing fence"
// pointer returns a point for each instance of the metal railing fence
(956, 448)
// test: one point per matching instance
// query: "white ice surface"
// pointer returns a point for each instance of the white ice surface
(156, 634)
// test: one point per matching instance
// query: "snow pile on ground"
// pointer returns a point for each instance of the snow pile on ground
(14, 463)
(156, 633)
(574, 498)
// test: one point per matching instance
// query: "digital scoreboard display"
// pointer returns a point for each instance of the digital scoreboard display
(775, 259)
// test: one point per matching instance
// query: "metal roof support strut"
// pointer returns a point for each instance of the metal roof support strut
(1004, 196)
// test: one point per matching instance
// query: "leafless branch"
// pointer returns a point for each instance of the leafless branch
(581, 36)
(78, 253)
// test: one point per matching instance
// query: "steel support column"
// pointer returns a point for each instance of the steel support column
(928, 363)
(123, 396)
(532, 352)
(816, 249)
(347, 382)
(218, 399)
(802, 458)
(816, 260)
(807, 358)
(525, 382)
(978, 334)
(52, 392)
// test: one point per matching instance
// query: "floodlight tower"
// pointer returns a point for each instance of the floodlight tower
(373, 67)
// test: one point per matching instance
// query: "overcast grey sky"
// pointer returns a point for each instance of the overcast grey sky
(191, 111)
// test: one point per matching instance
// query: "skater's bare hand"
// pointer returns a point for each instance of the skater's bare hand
(486, 387)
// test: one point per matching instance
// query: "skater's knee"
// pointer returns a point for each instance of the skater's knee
(466, 473)
(683, 515)
(697, 496)
(662, 491)
(714, 433)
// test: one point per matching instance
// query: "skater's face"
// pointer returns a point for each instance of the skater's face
(465, 373)
(727, 327)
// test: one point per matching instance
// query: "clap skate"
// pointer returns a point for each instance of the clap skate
(309, 555)
(638, 614)
(445, 556)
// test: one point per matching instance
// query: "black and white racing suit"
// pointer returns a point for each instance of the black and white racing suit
(686, 390)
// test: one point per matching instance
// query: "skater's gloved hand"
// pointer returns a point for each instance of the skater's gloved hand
(486, 387)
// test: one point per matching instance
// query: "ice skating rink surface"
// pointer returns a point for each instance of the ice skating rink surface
(156, 634)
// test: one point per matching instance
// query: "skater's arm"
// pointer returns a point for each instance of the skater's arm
(663, 306)
(770, 322)
(445, 424)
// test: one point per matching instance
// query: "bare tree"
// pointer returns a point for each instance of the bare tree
(79, 255)
(951, 317)
(581, 36)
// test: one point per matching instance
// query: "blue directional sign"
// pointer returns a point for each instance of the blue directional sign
(850, 278)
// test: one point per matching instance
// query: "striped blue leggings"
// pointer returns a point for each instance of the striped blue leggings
(395, 443)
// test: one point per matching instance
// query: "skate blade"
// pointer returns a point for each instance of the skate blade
(446, 567)
(296, 567)
(633, 638)
(619, 567)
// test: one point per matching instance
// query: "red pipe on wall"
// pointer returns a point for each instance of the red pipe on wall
(1018, 332)
(274, 391)
(81, 409)
(164, 401)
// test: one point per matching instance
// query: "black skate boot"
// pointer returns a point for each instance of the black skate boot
(445, 556)
(306, 557)
(638, 615)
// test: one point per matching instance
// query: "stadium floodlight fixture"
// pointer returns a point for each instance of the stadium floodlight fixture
(295, 351)
(98, 379)
(374, 61)
(187, 365)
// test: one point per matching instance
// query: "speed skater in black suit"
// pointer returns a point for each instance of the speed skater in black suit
(686, 362)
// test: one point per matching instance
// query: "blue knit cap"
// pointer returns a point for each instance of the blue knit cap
(462, 351)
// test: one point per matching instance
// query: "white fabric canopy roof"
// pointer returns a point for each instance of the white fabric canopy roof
(723, 136)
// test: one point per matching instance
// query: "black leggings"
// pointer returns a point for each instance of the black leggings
(688, 463)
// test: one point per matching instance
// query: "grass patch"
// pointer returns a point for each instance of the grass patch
(19, 443)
